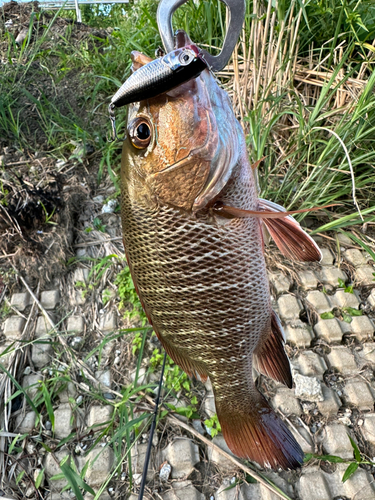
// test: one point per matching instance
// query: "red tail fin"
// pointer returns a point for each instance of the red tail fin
(258, 434)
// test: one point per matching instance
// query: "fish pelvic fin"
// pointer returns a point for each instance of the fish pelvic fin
(192, 368)
(258, 434)
(270, 358)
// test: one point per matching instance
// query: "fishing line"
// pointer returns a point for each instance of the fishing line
(152, 429)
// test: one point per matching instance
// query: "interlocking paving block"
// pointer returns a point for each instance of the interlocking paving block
(182, 454)
(329, 330)
(41, 353)
(214, 456)
(209, 405)
(344, 299)
(5, 359)
(307, 388)
(280, 282)
(327, 259)
(99, 415)
(286, 401)
(108, 322)
(298, 333)
(20, 300)
(371, 298)
(281, 483)
(364, 275)
(138, 454)
(335, 441)
(360, 486)
(250, 492)
(104, 377)
(289, 307)
(331, 276)
(358, 393)
(355, 257)
(310, 364)
(101, 463)
(81, 274)
(59, 496)
(362, 327)
(52, 468)
(69, 392)
(183, 490)
(308, 280)
(63, 421)
(368, 428)
(367, 355)
(25, 423)
(103, 496)
(13, 327)
(50, 299)
(31, 383)
(319, 301)
(344, 240)
(342, 360)
(75, 324)
(43, 328)
(331, 404)
(303, 439)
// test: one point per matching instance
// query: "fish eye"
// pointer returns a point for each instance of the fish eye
(140, 132)
(186, 57)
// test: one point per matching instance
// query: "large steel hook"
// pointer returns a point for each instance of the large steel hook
(236, 18)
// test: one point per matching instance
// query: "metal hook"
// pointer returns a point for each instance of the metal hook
(236, 18)
(112, 117)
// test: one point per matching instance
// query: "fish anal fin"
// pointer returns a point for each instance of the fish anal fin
(258, 434)
(270, 358)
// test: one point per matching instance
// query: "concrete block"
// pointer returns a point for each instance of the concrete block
(104, 377)
(13, 327)
(41, 353)
(298, 334)
(50, 299)
(341, 359)
(327, 259)
(81, 274)
(344, 240)
(356, 392)
(331, 403)
(213, 455)
(355, 257)
(99, 415)
(209, 405)
(343, 299)
(43, 328)
(310, 364)
(69, 392)
(20, 301)
(25, 422)
(286, 401)
(289, 307)
(75, 324)
(108, 322)
(328, 330)
(307, 388)
(364, 275)
(360, 486)
(367, 355)
(308, 280)
(319, 301)
(335, 441)
(371, 298)
(138, 454)
(63, 421)
(303, 439)
(31, 384)
(183, 490)
(280, 282)
(249, 492)
(52, 468)
(101, 463)
(362, 327)
(182, 454)
(330, 275)
(103, 496)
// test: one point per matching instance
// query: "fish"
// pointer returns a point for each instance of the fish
(193, 236)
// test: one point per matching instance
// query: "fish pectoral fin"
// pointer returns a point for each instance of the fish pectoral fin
(270, 358)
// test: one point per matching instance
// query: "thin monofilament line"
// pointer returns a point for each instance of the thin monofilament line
(153, 425)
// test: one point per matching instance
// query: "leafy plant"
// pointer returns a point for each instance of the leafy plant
(213, 425)
(128, 296)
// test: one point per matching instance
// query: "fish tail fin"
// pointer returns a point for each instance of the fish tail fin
(270, 358)
(258, 434)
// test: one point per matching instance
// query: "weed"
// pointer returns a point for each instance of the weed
(213, 425)
(128, 296)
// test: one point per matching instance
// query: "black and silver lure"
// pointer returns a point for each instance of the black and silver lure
(159, 76)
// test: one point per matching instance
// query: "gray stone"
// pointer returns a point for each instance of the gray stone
(355, 257)
(138, 454)
(142, 376)
(103, 496)
(183, 490)
(368, 428)
(81, 274)
(341, 359)
(319, 301)
(108, 322)
(358, 393)
(371, 298)
(13, 327)
(280, 282)
(31, 383)
(335, 441)
(313, 485)
(362, 327)
(43, 328)
(308, 388)
(50, 299)
(308, 280)
(214, 456)
(364, 275)
(367, 355)
(41, 353)
(303, 439)
(209, 405)
(25, 422)
(69, 392)
(360, 486)
(344, 299)
(298, 334)
(285, 401)
(329, 330)
(327, 259)
(20, 300)
(182, 454)
(75, 324)
(310, 364)
(104, 377)
(344, 240)
(52, 468)
(101, 463)
(331, 276)
(331, 403)
(289, 307)
(63, 421)
(99, 415)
